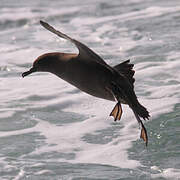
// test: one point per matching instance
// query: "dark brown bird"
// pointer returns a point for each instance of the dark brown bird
(91, 74)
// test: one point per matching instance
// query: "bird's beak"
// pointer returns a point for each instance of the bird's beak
(28, 72)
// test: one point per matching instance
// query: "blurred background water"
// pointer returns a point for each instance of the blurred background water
(51, 130)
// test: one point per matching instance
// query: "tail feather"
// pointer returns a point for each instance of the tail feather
(141, 111)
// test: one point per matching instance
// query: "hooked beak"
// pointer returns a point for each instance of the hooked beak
(28, 72)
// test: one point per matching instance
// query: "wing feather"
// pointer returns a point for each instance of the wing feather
(84, 52)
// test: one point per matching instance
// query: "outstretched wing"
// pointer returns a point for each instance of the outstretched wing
(84, 52)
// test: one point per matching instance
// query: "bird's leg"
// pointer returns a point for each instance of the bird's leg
(117, 111)
(143, 135)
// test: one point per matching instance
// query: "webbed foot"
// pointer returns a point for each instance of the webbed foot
(144, 135)
(117, 112)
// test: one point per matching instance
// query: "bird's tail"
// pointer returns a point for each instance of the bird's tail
(141, 111)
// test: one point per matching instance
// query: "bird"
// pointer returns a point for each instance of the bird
(88, 72)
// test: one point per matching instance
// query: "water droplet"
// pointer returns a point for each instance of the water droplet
(120, 48)
(158, 136)
(13, 38)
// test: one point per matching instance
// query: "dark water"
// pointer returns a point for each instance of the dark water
(51, 130)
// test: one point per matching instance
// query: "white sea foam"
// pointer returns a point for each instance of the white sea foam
(169, 173)
(20, 175)
(68, 138)
(141, 14)
(28, 13)
(44, 172)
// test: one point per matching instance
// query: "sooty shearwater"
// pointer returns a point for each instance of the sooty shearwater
(91, 74)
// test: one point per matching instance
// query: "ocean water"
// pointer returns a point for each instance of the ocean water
(49, 130)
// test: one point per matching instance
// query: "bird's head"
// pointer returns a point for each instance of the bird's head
(50, 62)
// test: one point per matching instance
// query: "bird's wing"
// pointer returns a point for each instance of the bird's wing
(126, 69)
(84, 52)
